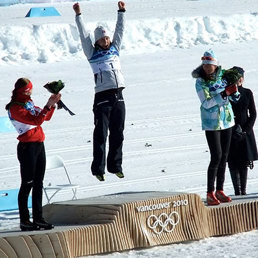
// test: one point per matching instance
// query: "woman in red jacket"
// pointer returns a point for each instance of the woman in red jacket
(27, 119)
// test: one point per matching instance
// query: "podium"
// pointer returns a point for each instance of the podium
(126, 221)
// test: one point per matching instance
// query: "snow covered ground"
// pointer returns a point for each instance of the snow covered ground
(164, 148)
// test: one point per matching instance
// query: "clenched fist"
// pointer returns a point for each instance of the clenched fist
(77, 8)
(121, 5)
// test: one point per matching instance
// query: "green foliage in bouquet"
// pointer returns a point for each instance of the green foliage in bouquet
(55, 86)
(231, 76)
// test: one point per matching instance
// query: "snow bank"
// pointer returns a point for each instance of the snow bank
(45, 43)
(11, 2)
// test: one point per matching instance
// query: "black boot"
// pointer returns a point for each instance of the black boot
(235, 180)
(28, 226)
(243, 180)
(42, 224)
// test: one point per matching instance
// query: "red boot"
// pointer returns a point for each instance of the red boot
(222, 197)
(211, 199)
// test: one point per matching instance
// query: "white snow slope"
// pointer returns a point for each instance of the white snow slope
(164, 147)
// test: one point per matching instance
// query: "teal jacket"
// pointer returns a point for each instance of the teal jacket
(216, 111)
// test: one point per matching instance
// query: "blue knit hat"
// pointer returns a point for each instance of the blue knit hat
(209, 57)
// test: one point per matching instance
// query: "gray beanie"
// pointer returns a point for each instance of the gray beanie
(99, 33)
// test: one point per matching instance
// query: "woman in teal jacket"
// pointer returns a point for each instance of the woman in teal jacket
(217, 122)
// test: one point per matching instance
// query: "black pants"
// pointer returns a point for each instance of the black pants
(109, 114)
(32, 160)
(219, 143)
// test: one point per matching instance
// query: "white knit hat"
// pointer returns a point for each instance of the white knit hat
(99, 33)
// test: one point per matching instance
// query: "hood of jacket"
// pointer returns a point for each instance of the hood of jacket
(199, 73)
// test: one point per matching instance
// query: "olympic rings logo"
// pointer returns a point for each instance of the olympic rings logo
(163, 222)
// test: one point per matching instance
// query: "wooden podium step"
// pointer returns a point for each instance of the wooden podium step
(124, 221)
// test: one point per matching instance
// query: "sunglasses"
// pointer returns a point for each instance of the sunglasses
(208, 58)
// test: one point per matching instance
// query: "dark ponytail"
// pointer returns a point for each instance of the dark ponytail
(19, 84)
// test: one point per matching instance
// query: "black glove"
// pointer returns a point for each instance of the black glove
(223, 94)
(238, 134)
(250, 164)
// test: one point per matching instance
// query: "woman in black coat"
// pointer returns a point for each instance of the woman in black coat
(243, 150)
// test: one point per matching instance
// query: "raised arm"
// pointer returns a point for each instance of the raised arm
(119, 31)
(86, 41)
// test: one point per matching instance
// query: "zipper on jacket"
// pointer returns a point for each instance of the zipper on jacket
(115, 78)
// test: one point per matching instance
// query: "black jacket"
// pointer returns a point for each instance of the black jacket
(245, 115)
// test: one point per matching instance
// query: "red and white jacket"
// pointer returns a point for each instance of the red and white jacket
(27, 120)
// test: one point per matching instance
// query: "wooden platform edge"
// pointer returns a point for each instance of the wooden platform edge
(104, 228)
